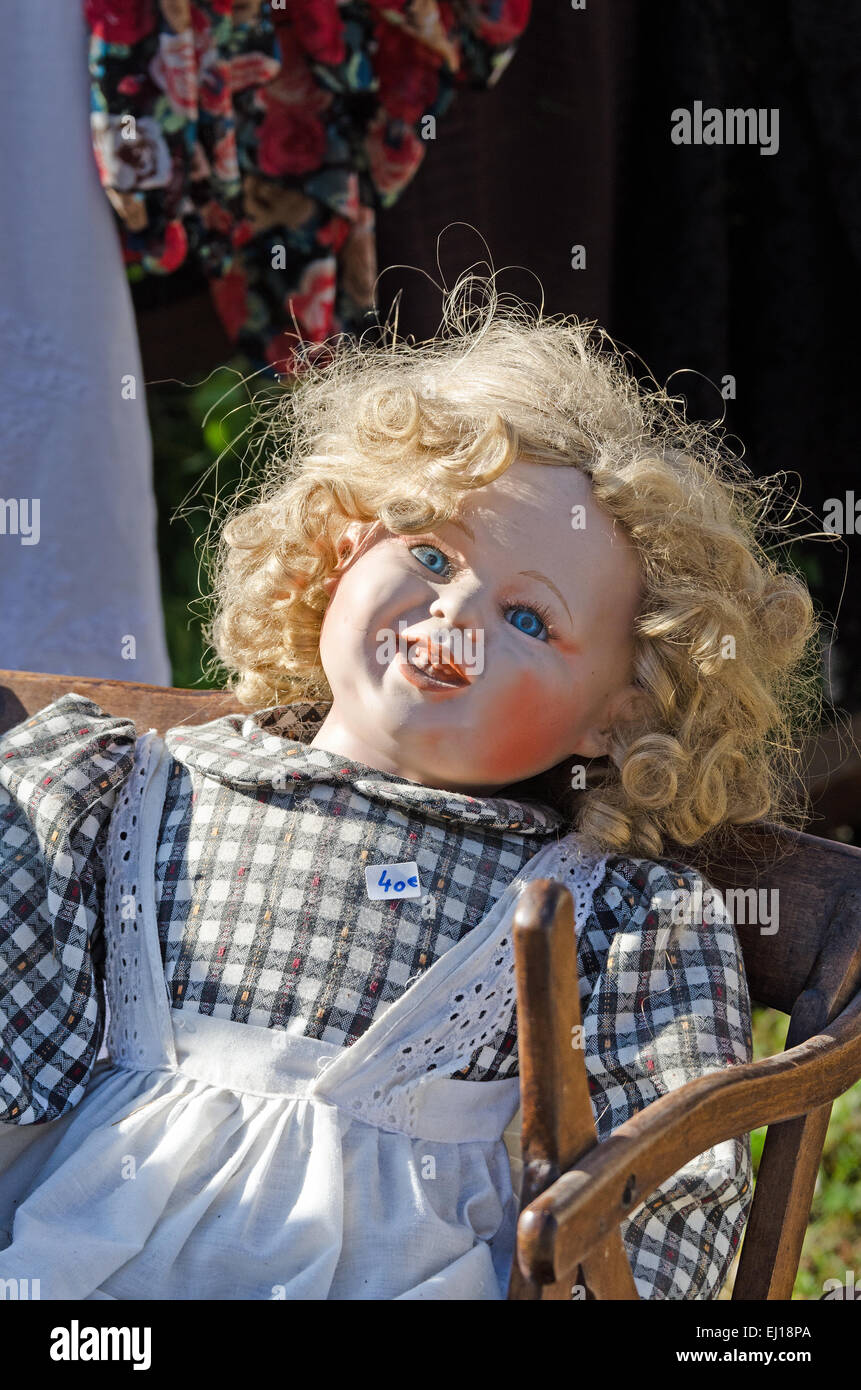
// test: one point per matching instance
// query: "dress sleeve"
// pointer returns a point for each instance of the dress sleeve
(59, 776)
(487, 33)
(670, 1003)
(475, 40)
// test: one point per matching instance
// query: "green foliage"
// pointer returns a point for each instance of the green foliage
(200, 439)
(832, 1244)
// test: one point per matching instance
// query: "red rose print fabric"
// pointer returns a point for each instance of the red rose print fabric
(260, 137)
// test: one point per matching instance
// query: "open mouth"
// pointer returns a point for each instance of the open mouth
(420, 672)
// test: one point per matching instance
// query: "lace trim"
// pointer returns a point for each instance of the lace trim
(125, 958)
(475, 1014)
(467, 1010)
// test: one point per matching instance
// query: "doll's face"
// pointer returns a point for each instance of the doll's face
(531, 594)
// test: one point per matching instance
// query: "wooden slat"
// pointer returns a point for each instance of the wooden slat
(777, 1223)
(809, 875)
(580, 1209)
(24, 693)
(792, 1152)
(558, 1125)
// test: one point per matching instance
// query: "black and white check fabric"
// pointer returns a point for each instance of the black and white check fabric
(255, 822)
(666, 1002)
(263, 912)
(59, 776)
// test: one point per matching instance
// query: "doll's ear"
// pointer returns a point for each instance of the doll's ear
(591, 745)
(627, 705)
(348, 543)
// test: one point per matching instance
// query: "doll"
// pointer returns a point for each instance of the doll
(498, 613)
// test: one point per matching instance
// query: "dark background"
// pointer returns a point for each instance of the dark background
(715, 259)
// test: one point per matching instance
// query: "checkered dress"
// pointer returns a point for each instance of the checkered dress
(263, 918)
(262, 907)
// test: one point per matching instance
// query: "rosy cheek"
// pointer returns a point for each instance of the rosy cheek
(516, 726)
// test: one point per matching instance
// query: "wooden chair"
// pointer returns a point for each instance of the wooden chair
(575, 1191)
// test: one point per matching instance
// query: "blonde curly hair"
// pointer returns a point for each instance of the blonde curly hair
(725, 642)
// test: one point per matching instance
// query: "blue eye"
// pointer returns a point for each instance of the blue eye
(536, 611)
(434, 550)
(532, 615)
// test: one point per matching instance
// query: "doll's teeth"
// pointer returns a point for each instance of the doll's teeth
(422, 662)
(419, 657)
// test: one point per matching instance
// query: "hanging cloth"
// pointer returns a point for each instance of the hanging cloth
(257, 140)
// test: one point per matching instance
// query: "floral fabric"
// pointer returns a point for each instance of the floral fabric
(260, 137)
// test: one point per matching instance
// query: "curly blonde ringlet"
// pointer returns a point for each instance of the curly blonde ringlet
(725, 642)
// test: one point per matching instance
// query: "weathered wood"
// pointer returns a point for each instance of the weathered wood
(778, 1219)
(809, 875)
(832, 776)
(793, 1150)
(546, 1132)
(558, 1125)
(578, 1211)
(24, 693)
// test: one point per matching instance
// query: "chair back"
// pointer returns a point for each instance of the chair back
(783, 888)
(800, 934)
(23, 693)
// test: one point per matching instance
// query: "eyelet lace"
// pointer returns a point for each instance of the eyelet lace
(478, 1015)
(125, 960)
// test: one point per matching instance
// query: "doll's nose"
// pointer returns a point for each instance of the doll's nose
(459, 606)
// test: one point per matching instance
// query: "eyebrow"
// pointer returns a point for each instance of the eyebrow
(535, 574)
(527, 574)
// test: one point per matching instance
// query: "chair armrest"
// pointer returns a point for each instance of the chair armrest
(585, 1205)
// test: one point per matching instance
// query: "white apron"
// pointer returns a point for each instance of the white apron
(211, 1159)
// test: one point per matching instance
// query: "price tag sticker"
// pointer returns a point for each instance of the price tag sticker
(393, 881)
